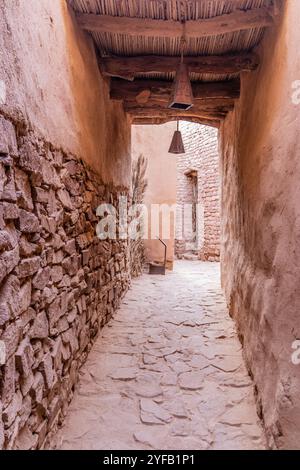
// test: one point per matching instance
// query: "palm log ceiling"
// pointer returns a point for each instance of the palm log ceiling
(139, 44)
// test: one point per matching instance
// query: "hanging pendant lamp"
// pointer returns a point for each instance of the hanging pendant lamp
(177, 146)
(182, 94)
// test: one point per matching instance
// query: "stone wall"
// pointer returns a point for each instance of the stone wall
(59, 283)
(260, 226)
(201, 157)
(64, 148)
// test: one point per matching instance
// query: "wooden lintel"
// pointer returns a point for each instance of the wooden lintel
(227, 23)
(219, 107)
(128, 67)
(159, 121)
(143, 90)
(140, 112)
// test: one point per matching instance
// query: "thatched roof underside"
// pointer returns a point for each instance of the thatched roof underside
(125, 45)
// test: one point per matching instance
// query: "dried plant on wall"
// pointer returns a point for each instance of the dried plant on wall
(139, 187)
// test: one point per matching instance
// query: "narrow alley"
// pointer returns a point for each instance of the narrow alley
(166, 373)
(162, 137)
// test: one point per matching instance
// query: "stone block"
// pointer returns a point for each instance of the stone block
(26, 317)
(70, 265)
(30, 160)
(11, 337)
(46, 368)
(42, 433)
(9, 299)
(40, 327)
(12, 433)
(49, 294)
(29, 266)
(42, 278)
(8, 140)
(56, 353)
(85, 257)
(10, 211)
(25, 296)
(8, 261)
(54, 409)
(26, 383)
(24, 358)
(2, 438)
(58, 256)
(11, 411)
(65, 199)
(57, 159)
(38, 388)
(23, 190)
(57, 242)
(26, 410)
(56, 273)
(73, 168)
(28, 249)
(2, 223)
(26, 440)
(48, 224)
(41, 195)
(49, 175)
(9, 190)
(57, 309)
(29, 223)
(7, 384)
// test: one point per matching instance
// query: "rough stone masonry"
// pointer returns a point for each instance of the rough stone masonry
(59, 284)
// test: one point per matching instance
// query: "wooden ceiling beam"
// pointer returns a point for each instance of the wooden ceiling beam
(158, 121)
(142, 91)
(208, 106)
(128, 67)
(227, 23)
(140, 112)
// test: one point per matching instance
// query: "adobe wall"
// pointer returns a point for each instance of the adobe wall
(50, 72)
(64, 149)
(201, 155)
(260, 225)
(153, 142)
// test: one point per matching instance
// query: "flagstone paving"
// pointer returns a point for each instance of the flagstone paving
(167, 372)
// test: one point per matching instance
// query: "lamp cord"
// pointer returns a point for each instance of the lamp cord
(183, 40)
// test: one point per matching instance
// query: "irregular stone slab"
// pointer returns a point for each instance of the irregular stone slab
(169, 379)
(199, 362)
(227, 364)
(180, 428)
(148, 359)
(150, 409)
(124, 374)
(191, 381)
(180, 367)
(177, 408)
(145, 437)
(238, 415)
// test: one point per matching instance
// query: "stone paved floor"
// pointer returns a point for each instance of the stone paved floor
(167, 372)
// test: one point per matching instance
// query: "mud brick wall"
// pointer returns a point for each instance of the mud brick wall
(59, 284)
(201, 154)
(260, 256)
